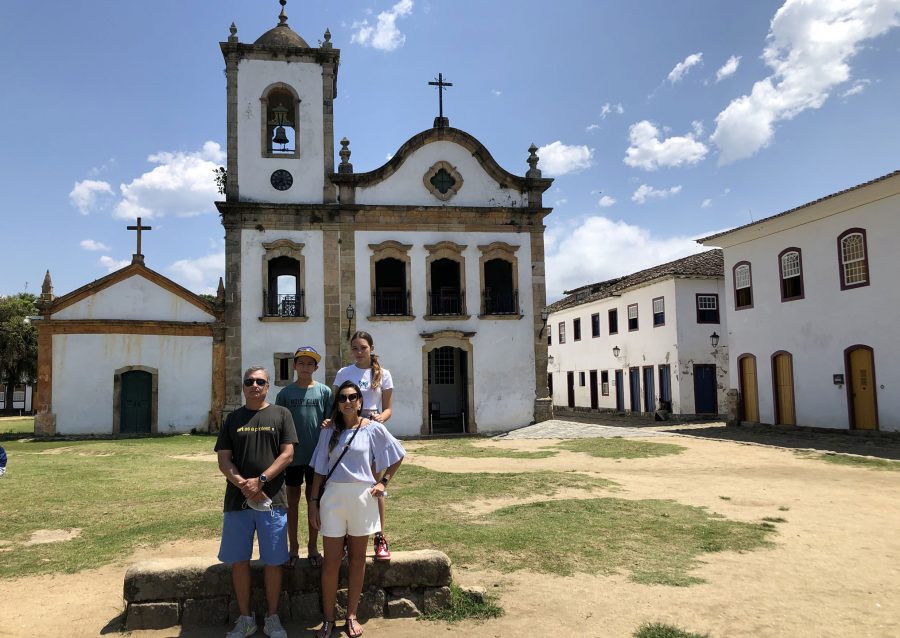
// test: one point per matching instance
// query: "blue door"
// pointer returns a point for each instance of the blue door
(705, 389)
(620, 391)
(634, 381)
(649, 393)
(665, 386)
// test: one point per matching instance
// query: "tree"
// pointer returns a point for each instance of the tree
(18, 342)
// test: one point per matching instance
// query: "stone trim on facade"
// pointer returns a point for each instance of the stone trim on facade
(390, 249)
(453, 251)
(264, 124)
(283, 248)
(431, 188)
(507, 252)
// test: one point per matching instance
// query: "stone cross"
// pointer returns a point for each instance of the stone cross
(139, 228)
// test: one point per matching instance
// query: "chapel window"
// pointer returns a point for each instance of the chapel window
(854, 258)
(283, 292)
(743, 286)
(790, 268)
(446, 276)
(390, 280)
(499, 274)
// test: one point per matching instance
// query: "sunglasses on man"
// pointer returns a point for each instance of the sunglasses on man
(343, 398)
(250, 382)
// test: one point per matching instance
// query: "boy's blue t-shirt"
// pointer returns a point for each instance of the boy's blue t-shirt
(309, 407)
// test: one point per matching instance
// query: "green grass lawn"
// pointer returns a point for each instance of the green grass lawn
(17, 425)
(133, 492)
(466, 448)
(619, 448)
(864, 462)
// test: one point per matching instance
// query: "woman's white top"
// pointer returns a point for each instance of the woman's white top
(372, 442)
(363, 378)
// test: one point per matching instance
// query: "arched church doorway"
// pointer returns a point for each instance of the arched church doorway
(136, 402)
(447, 401)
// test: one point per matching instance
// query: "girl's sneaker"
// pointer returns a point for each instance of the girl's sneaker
(382, 552)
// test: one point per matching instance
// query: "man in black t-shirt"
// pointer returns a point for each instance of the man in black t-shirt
(254, 446)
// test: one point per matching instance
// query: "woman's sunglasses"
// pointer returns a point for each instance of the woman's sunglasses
(343, 398)
(250, 382)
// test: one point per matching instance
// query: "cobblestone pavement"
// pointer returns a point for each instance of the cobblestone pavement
(559, 429)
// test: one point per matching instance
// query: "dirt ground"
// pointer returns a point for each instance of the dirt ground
(834, 569)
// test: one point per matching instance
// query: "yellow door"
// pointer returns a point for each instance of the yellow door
(749, 395)
(784, 389)
(862, 389)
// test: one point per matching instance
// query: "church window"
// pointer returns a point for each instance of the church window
(854, 258)
(632, 317)
(284, 368)
(789, 265)
(707, 308)
(445, 280)
(659, 311)
(743, 286)
(390, 272)
(499, 274)
(279, 108)
(283, 291)
(442, 180)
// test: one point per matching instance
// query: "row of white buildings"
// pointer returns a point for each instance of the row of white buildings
(793, 312)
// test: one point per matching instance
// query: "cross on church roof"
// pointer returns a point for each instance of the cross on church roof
(138, 256)
(440, 120)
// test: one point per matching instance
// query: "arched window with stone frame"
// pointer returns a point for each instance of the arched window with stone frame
(279, 115)
(283, 285)
(445, 274)
(389, 268)
(499, 276)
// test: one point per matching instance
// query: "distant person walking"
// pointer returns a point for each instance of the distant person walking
(2, 461)
(377, 389)
(309, 403)
(343, 462)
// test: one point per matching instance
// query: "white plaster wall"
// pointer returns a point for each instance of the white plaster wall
(84, 366)
(254, 171)
(680, 343)
(817, 328)
(260, 340)
(503, 350)
(135, 298)
(405, 186)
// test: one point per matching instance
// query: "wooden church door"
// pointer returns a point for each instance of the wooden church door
(861, 374)
(136, 401)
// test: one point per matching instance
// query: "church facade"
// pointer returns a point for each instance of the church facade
(438, 253)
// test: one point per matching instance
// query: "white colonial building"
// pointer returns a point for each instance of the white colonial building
(438, 253)
(813, 302)
(633, 343)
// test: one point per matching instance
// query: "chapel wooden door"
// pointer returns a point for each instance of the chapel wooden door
(749, 389)
(861, 374)
(136, 402)
(783, 383)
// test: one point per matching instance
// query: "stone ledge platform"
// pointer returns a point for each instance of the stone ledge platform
(197, 591)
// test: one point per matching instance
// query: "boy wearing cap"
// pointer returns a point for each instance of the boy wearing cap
(309, 403)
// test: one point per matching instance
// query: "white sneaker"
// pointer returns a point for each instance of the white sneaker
(243, 628)
(273, 627)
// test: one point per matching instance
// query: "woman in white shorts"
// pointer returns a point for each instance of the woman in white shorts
(349, 506)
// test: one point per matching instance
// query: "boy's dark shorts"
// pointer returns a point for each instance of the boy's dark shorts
(294, 475)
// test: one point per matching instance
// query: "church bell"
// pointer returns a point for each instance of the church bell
(280, 137)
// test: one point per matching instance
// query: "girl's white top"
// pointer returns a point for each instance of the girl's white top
(372, 442)
(363, 378)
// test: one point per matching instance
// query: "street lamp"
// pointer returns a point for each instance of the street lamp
(616, 351)
(350, 313)
(714, 340)
(545, 314)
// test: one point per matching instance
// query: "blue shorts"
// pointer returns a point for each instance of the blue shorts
(271, 531)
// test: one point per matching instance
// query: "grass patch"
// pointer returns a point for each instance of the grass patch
(864, 462)
(659, 630)
(725, 498)
(656, 541)
(619, 448)
(784, 508)
(23, 425)
(465, 448)
(465, 606)
(122, 494)
(774, 519)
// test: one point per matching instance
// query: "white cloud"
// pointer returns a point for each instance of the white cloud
(113, 264)
(182, 184)
(90, 244)
(199, 275)
(384, 34)
(809, 48)
(608, 108)
(706, 203)
(573, 259)
(560, 202)
(684, 66)
(729, 68)
(591, 128)
(86, 193)
(648, 152)
(107, 165)
(858, 87)
(645, 192)
(558, 159)
(497, 92)
(606, 201)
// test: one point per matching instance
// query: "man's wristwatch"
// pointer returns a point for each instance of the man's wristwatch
(262, 478)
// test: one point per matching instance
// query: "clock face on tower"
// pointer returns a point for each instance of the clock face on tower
(282, 179)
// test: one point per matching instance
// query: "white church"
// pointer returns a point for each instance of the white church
(438, 254)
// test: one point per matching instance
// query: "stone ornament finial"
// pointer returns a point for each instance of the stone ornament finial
(327, 43)
(282, 17)
(47, 286)
(233, 30)
(345, 166)
(533, 170)
(220, 292)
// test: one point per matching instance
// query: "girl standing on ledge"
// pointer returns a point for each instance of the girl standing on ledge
(348, 508)
(377, 389)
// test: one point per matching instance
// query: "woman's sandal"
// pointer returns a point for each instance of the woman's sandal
(326, 629)
(351, 623)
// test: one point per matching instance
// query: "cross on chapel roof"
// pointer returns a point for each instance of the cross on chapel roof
(440, 120)
(138, 257)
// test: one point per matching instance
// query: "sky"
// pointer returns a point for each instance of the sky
(660, 120)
